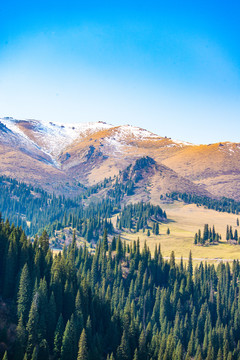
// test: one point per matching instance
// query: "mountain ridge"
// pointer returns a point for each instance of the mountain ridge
(58, 157)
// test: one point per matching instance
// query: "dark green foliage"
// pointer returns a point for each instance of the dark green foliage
(24, 294)
(82, 347)
(209, 236)
(123, 304)
(140, 216)
(58, 337)
(222, 205)
(22, 203)
(5, 357)
(232, 236)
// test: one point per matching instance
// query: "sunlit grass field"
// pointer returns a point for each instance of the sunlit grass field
(183, 222)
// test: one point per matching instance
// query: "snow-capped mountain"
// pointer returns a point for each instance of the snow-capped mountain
(62, 155)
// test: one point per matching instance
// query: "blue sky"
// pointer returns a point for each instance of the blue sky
(171, 67)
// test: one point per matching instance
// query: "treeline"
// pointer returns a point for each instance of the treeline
(222, 205)
(118, 303)
(209, 236)
(141, 216)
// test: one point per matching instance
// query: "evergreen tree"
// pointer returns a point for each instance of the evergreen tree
(21, 339)
(105, 241)
(32, 326)
(68, 342)
(58, 335)
(24, 294)
(82, 347)
(44, 242)
(5, 356)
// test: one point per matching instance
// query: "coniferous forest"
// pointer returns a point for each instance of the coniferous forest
(35, 209)
(119, 303)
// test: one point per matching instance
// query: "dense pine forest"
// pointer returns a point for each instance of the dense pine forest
(141, 216)
(223, 205)
(35, 210)
(119, 303)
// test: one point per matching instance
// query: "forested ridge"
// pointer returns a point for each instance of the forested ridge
(118, 303)
(35, 210)
(223, 204)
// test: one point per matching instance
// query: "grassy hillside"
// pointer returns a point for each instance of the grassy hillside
(183, 222)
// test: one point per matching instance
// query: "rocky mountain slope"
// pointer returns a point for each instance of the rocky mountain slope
(58, 157)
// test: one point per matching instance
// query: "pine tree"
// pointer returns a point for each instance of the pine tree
(105, 241)
(51, 320)
(123, 351)
(24, 294)
(82, 347)
(205, 233)
(5, 356)
(196, 239)
(58, 335)
(32, 326)
(35, 354)
(136, 355)
(190, 264)
(68, 342)
(227, 233)
(44, 242)
(21, 339)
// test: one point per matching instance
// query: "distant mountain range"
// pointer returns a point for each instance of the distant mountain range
(59, 157)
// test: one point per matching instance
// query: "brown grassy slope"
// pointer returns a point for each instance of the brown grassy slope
(99, 154)
(19, 165)
(216, 166)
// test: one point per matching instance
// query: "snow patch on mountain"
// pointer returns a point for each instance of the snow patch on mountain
(53, 138)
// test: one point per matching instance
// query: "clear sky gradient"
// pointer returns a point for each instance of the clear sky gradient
(172, 67)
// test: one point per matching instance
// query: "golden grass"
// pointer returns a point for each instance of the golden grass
(184, 222)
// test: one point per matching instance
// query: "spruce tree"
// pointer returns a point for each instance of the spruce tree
(105, 241)
(190, 264)
(21, 339)
(82, 347)
(24, 294)
(35, 354)
(32, 326)
(58, 335)
(68, 349)
(5, 356)
(44, 242)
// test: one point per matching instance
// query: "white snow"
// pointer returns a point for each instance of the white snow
(183, 143)
(136, 132)
(54, 138)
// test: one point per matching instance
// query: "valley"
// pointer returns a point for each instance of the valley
(97, 162)
(97, 233)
